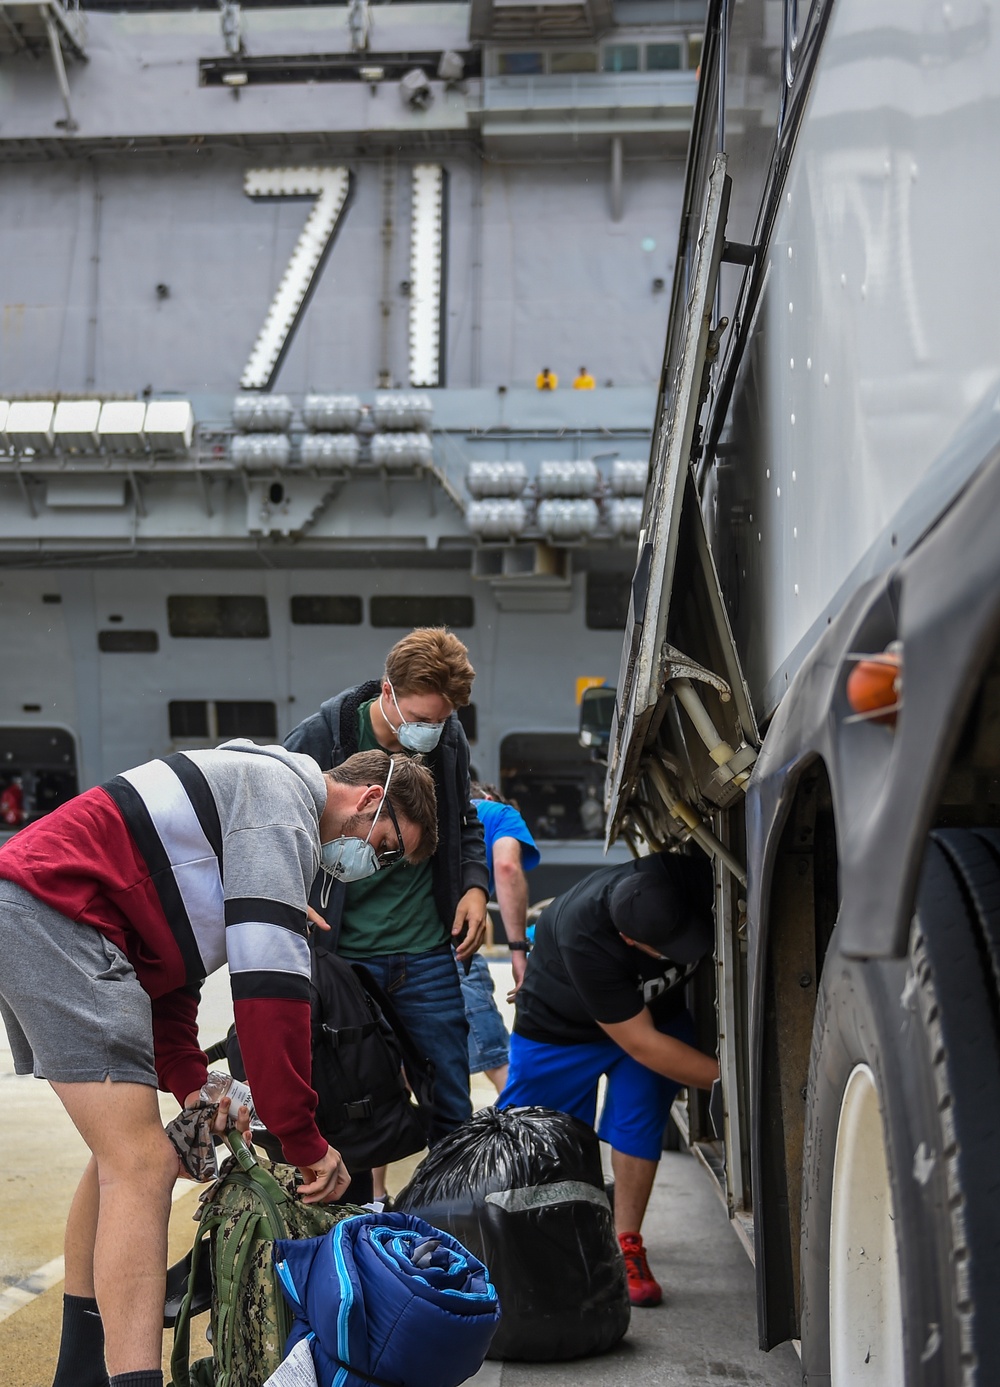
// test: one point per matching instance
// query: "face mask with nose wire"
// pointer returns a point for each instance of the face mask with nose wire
(418, 737)
(354, 859)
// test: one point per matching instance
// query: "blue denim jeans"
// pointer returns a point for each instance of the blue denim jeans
(488, 1038)
(425, 990)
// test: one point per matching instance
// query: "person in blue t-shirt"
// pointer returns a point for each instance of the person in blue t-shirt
(510, 854)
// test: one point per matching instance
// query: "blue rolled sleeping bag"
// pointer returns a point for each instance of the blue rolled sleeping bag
(387, 1299)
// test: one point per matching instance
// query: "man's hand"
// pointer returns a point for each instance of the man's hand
(314, 918)
(326, 1179)
(220, 1123)
(518, 966)
(221, 1120)
(471, 917)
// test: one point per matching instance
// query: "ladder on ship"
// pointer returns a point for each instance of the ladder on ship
(33, 27)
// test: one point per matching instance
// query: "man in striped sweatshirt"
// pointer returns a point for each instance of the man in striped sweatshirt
(113, 910)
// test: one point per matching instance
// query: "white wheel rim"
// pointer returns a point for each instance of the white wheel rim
(866, 1313)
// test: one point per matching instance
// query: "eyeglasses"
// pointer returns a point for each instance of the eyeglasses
(388, 857)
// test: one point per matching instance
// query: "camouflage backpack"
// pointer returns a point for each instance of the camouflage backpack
(240, 1217)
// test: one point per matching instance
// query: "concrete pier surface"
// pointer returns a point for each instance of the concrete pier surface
(704, 1335)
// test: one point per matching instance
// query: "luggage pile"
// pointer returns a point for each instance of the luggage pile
(380, 1299)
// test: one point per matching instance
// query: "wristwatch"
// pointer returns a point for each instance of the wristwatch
(520, 946)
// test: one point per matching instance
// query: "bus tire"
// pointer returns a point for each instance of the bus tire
(900, 1252)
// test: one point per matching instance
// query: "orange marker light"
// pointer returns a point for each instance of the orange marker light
(875, 687)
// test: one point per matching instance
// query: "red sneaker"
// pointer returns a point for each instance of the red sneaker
(643, 1289)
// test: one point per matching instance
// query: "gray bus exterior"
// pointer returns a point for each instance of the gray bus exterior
(823, 502)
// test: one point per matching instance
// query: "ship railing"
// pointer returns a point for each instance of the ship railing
(590, 90)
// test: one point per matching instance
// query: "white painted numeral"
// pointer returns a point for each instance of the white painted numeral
(426, 241)
(329, 186)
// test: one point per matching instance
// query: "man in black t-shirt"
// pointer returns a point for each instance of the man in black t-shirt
(603, 994)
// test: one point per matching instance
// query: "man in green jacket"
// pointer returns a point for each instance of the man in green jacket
(402, 925)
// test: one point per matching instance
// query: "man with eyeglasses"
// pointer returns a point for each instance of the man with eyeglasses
(352, 858)
(113, 910)
(402, 924)
(603, 995)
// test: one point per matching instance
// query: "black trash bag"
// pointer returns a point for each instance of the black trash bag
(523, 1190)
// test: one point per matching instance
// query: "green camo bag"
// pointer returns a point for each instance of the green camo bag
(241, 1215)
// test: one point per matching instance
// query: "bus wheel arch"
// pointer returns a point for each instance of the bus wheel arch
(799, 912)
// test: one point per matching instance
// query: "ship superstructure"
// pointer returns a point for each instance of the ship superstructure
(277, 287)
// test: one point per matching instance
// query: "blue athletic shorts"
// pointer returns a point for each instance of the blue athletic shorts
(488, 1038)
(564, 1077)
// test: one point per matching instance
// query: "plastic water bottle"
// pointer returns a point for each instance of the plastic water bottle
(219, 1085)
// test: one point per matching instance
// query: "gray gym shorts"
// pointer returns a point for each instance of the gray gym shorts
(73, 1008)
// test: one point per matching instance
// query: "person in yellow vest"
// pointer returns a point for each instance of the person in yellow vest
(546, 379)
(584, 380)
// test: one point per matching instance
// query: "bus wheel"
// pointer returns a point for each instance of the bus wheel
(900, 1267)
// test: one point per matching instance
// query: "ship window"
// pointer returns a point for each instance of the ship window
(520, 64)
(188, 718)
(555, 784)
(326, 610)
(128, 642)
(573, 60)
(663, 57)
(607, 601)
(220, 719)
(246, 720)
(51, 598)
(422, 611)
(37, 773)
(467, 717)
(620, 57)
(224, 618)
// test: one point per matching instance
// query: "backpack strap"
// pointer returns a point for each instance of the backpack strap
(230, 1267)
(419, 1069)
(249, 1163)
(228, 1263)
(180, 1367)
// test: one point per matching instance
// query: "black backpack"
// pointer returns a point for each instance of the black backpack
(360, 1052)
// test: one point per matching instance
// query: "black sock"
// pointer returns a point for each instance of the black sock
(81, 1348)
(151, 1378)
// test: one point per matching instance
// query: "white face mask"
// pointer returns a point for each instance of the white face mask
(353, 859)
(349, 859)
(414, 736)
